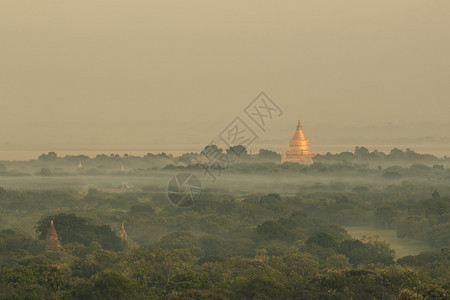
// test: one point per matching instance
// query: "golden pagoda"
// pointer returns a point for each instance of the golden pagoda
(298, 148)
(52, 243)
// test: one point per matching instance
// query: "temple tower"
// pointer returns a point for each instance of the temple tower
(52, 243)
(298, 148)
(123, 233)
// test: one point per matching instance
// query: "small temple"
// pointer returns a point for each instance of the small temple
(298, 148)
(123, 235)
(52, 243)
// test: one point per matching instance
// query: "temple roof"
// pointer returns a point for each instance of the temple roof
(51, 233)
(51, 239)
(123, 233)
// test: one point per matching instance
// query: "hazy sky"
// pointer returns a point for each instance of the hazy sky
(79, 72)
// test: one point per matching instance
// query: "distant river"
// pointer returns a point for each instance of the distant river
(27, 153)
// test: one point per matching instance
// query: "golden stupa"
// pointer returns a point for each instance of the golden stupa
(298, 148)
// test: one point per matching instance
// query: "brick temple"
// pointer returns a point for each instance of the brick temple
(52, 243)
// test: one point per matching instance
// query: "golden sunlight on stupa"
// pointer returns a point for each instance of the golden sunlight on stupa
(298, 149)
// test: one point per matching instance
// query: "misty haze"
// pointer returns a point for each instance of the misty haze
(224, 150)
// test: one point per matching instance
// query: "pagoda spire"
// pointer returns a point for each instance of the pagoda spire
(52, 243)
(123, 233)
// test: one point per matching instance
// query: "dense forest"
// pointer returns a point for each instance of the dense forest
(259, 230)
